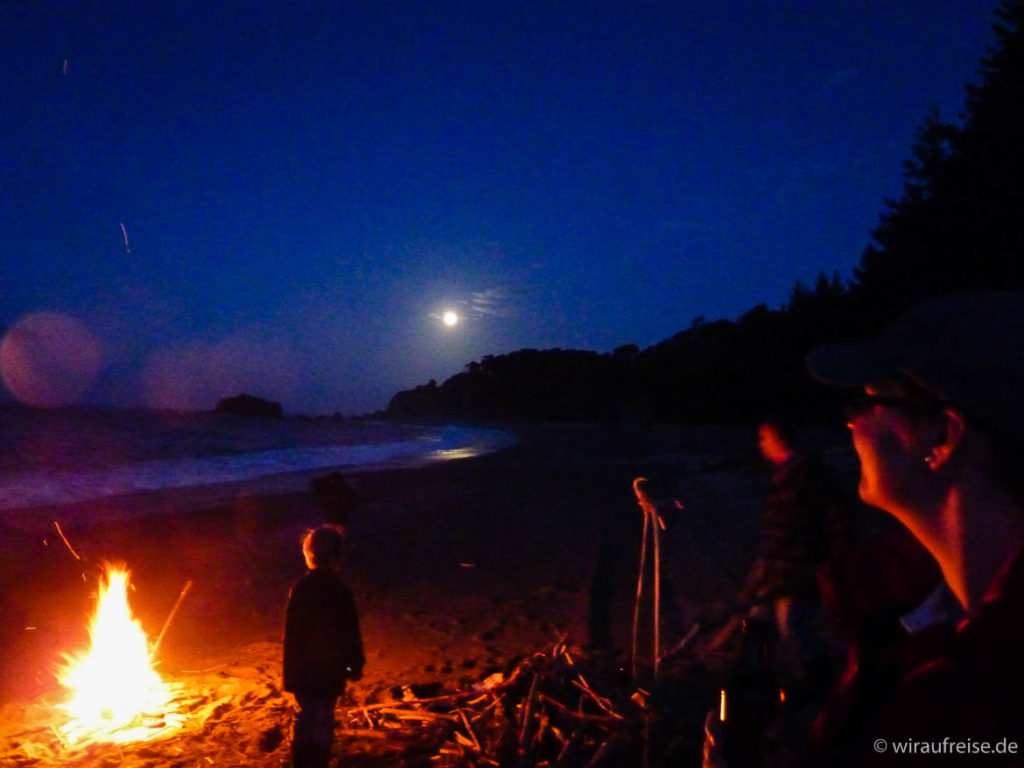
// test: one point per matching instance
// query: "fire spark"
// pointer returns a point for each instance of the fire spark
(116, 694)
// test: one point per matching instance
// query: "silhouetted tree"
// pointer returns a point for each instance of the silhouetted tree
(958, 225)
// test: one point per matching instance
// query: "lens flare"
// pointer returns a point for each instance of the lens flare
(48, 359)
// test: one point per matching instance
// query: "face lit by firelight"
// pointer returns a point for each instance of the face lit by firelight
(773, 447)
(891, 444)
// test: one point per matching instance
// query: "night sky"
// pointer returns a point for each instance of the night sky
(283, 198)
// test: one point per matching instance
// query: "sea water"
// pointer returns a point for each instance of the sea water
(59, 456)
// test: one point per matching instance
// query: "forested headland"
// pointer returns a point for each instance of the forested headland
(959, 225)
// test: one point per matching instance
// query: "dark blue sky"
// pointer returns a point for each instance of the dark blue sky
(306, 186)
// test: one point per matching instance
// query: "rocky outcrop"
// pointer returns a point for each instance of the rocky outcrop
(249, 405)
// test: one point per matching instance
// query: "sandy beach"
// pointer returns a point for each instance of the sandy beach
(459, 570)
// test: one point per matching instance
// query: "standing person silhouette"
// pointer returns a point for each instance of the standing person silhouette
(804, 525)
(323, 647)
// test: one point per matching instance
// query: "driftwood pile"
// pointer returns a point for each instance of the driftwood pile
(544, 712)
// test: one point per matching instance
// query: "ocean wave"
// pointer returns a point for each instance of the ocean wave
(364, 448)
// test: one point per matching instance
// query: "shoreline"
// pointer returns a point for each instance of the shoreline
(217, 476)
(458, 568)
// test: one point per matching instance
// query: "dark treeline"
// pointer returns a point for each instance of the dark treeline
(959, 225)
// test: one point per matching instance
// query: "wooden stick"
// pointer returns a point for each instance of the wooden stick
(65, 540)
(604, 719)
(691, 634)
(634, 661)
(364, 733)
(446, 697)
(527, 711)
(469, 730)
(601, 702)
(170, 616)
(598, 756)
(463, 741)
(652, 528)
(494, 702)
(656, 608)
(566, 746)
(416, 714)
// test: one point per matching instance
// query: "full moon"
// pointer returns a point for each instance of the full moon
(449, 318)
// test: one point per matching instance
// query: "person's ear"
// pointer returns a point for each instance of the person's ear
(949, 437)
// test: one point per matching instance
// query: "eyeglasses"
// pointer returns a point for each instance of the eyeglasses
(864, 402)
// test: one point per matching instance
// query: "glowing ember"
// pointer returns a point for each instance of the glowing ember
(116, 695)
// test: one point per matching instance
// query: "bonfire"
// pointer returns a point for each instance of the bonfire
(115, 693)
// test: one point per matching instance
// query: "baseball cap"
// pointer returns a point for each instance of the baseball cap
(965, 350)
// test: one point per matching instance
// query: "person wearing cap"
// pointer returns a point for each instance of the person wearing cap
(323, 647)
(937, 424)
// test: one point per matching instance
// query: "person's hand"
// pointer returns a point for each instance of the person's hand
(712, 758)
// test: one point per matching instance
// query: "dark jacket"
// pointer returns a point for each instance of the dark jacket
(971, 693)
(322, 644)
(866, 592)
(946, 690)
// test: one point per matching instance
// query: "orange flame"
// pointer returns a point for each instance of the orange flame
(114, 688)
